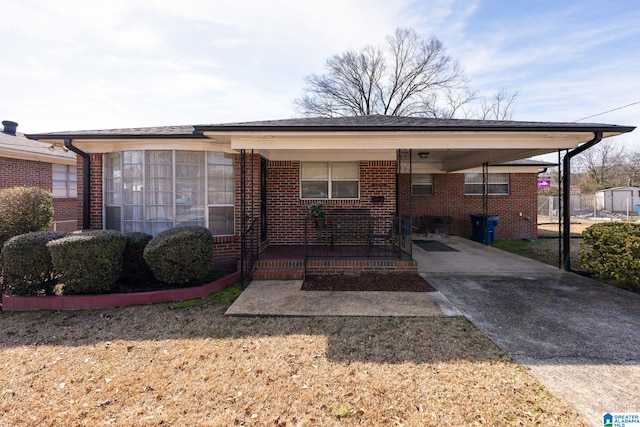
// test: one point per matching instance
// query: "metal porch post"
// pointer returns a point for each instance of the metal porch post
(485, 202)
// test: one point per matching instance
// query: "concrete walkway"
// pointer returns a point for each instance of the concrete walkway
(580, 338)
(284, 298)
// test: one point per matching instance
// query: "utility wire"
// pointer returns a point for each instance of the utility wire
(608, 111)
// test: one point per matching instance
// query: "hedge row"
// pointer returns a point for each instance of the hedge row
(180, 255)
(100, 261)
(612, 251)
(28, 268)
(88, 262)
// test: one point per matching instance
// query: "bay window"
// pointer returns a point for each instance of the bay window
(154, 190)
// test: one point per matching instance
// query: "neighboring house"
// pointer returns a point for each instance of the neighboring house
(24, 162)
(619, 199)
(253, 182)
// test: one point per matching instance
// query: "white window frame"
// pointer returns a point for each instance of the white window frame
(115, 189)
(66, 177)
(219, 205)
(422, 180)
(494, 179)
(330, 180)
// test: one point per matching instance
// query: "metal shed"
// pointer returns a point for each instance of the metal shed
(619, 199)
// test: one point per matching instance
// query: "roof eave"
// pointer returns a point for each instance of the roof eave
(59, 136)
(617, 129)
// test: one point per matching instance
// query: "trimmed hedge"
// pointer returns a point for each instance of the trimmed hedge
(89, 262)
(28, 269)
(612, 252)
(180, 256)
(24, 210)
(134, 268)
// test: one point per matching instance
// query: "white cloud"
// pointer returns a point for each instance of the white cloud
(75, 64)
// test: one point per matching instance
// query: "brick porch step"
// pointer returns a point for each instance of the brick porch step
(278, 273)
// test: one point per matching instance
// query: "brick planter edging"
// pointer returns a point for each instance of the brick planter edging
(90, 302)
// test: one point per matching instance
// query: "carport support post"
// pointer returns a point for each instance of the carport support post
(566, 197)
(485, 202)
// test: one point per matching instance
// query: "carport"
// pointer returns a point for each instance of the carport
(429, 145)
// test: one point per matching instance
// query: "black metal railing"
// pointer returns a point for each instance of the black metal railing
(249, 241)
(356, 233)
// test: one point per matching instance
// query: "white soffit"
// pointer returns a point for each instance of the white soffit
(401, 140)
(114, 145)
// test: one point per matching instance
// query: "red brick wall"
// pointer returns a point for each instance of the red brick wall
(65, 218)
(95, 181)
(449, 199)
(226, 249)
(29, 173)
(286, 212)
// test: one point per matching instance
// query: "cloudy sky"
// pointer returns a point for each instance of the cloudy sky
(84, 64)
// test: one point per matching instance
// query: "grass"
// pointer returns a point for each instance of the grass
(546, 248)
(543, 250)
(188, 364)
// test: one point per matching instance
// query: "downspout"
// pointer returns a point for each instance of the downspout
(86, 182)
(566, 198)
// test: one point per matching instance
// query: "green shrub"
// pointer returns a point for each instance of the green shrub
(23, 210)
(89, 262)
(28, 269)
(180, 255)
(134, 267)
(612, 252)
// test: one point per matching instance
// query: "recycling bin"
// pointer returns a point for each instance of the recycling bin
(638, 209)
(479, 232)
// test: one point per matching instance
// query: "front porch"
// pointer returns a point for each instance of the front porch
(288, 262)
(342, 241)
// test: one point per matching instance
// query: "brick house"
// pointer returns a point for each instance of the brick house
(252, 183)
(24, 162)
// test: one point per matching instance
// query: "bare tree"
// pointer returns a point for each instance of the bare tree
(602, 163)
(631, 168)
(402, 80)
(499, 106)
(409, 76)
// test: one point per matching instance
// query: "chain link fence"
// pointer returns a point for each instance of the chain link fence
(592, 207)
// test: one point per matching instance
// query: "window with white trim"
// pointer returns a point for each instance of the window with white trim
(152, 191)
(421, 184)
(64, 181)
(330, 180)
(498, 183)
(220, 193)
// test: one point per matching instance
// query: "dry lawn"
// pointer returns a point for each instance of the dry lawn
(187, 364)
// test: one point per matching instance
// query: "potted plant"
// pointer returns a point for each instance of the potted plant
(316, 210)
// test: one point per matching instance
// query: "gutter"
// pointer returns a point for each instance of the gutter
(566, 197)
(86, 182)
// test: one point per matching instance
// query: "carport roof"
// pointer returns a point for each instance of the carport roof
(396, 123)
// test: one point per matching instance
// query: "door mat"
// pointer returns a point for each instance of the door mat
(433, 246)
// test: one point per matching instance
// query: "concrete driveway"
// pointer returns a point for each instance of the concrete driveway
(579, 337)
